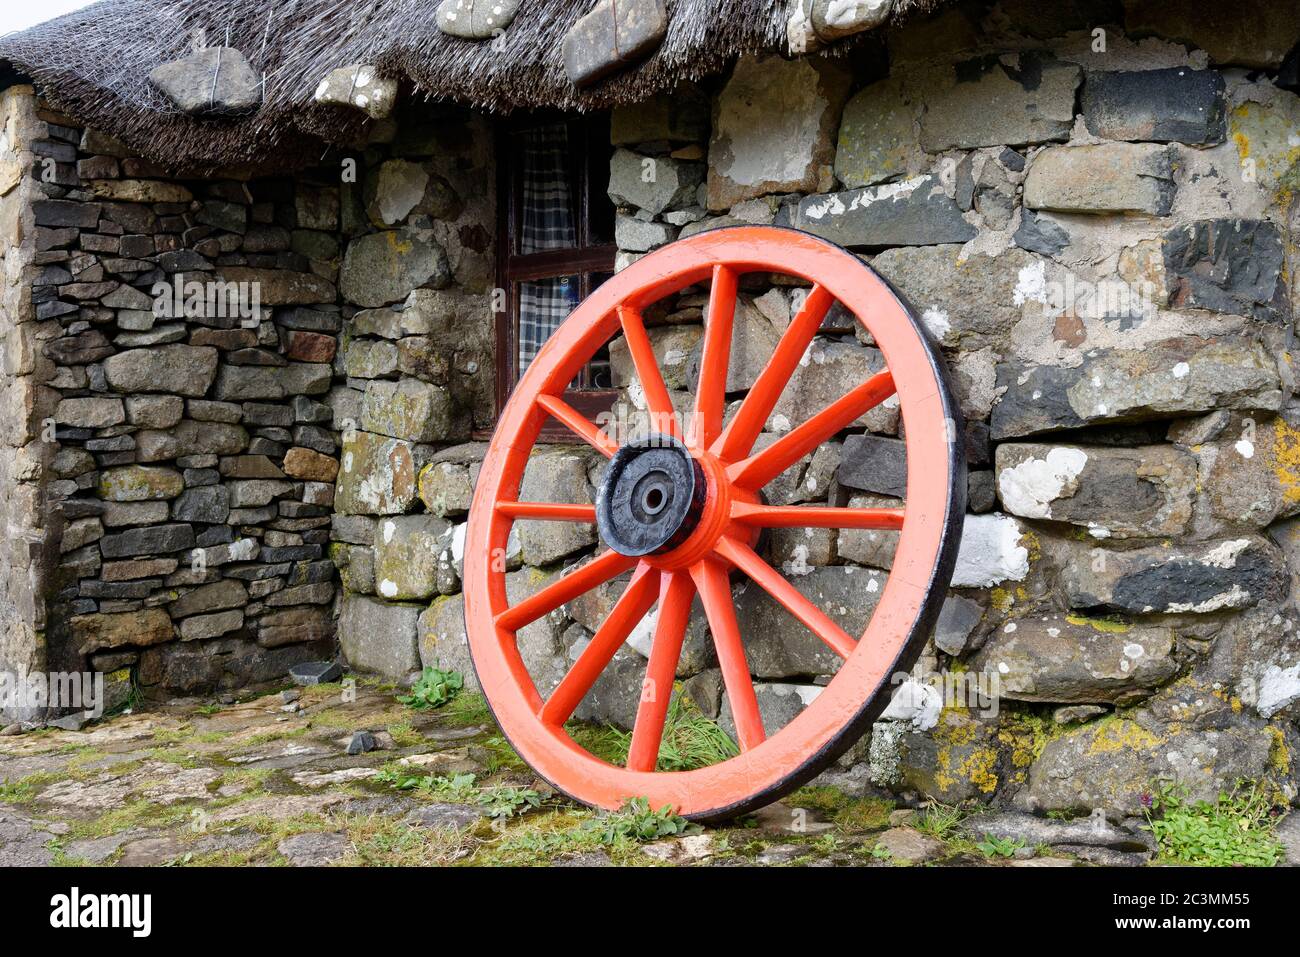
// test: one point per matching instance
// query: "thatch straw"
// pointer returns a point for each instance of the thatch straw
(94, 64)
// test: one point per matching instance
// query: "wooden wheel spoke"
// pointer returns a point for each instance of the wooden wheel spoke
(675, 594)
(630, 608)
(577, 582)
(774, 516)
(715, 594)
(767, 578)
(660, 404)
(759, 469)
(710, 393)
(549, 511)
(578, 424)
(738, 438)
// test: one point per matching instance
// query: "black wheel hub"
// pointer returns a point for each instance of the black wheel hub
(651, 498)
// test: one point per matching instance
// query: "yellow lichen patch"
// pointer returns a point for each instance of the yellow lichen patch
(1286, 460)
(1231, 700)
(1279, 755)
(1002, 599)
(399, 245)
(954, 727)
(959, 759)
(1243, 144)
(1121, 734)
(1104, 625)
(1273, 159)
(1025, 734)
(1033, 545)
(978, 768)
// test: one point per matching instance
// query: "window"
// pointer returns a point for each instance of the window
(556, 245)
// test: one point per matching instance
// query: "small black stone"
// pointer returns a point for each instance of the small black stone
(315, 672)
(362, 741)
(874, 464)
(1039, 235)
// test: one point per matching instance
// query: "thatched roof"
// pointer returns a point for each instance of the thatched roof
(94, 64)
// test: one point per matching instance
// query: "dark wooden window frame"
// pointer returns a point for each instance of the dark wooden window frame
(586, 258)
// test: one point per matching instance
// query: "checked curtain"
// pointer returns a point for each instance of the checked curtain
(546, 222)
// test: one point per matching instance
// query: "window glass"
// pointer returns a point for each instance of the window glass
(543, 305)
(557, 227)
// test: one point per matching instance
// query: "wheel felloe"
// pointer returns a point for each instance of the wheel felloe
(683, 512)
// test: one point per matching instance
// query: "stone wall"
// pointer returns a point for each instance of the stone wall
(182, 459)
(1098, 229)
(417, 356)
(25, 552)
(190, 326)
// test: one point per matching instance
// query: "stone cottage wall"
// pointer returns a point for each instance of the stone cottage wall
(416, 357)
(26, 549)
(1095, 216)
(187, 362)
(1098, 230)
(187, 329)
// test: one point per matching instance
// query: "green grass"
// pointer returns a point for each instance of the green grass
(602, 740)
(134, 814)
(498, 755)
(23, 790)
(637, 821)
(380, 842)
(458, 788)
(404, 734)
(940, 820)
(467, 709)
(1234, 830)
(847, 813)
(504, 802)
(690, 740)
(567, 832)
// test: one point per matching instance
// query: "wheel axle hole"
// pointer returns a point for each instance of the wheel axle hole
(654, 500)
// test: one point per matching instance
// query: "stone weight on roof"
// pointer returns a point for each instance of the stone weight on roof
(211, 80)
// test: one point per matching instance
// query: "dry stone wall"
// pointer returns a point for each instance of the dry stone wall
(416, 360)
(187, 365)
(188, 328)
(26, 548)
(1097, 223)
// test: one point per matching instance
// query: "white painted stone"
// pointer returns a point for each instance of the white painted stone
(1278, 687)
(833, 19)
(357, 86)
(1029, 488)
(917, 702)
(990, 552)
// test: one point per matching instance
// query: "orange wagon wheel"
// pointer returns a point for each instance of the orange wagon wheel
(682, 509)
